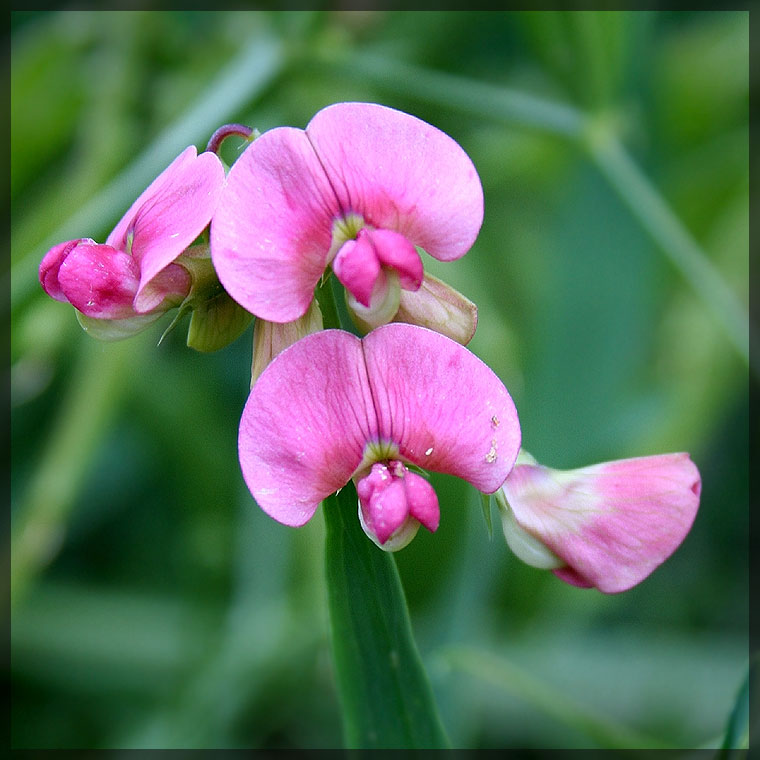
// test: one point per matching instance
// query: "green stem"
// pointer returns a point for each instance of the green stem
(93, 395)
(459, 93)
(385, 695)
(327, 305)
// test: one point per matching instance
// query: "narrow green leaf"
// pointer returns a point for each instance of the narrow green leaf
(737, 729)
(655, 216)
(40, 523)
(386, 697)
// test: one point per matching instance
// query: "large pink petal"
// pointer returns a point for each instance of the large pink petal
(118, 236)
(444, 408)
(99, 280)
(174, 216)
(612, 523)
(402, 174)
(305, 423)
(272, 232)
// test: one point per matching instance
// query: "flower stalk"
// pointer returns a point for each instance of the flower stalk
(385, 694)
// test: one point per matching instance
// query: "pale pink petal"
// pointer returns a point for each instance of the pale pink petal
(357, 267)
(444, 408)
(400, 173)
(174, 216)
(305, 424)
(612, 523)
(422, 500)
(51, 263)
(272, 232)
(395, 251)
(99, 281)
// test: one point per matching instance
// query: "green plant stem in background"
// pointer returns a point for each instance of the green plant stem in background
(505, 675)
(84, 413)
(493, 102)
(461, 94)
(736, 736)
(385, 695)
(653, 213)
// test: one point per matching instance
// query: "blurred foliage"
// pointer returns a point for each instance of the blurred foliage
(154, 605)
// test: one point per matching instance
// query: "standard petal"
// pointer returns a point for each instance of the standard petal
(305, 423)
(118, 237)
(612, 523)
(443, 407)
(271, 235)
(99, 281)
(169, 220)
(400, 173)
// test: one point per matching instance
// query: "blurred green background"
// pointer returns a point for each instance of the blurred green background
(154, 604)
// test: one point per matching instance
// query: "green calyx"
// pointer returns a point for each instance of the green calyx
(217, 320)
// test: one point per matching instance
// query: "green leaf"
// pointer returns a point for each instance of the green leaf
(737, 729)
(385, 694)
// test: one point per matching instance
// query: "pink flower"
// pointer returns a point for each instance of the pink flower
(358, 189)
(606, 526)
(333, 407)
(133, 275)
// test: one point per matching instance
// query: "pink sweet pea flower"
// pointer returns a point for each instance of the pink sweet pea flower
(133, 277)
(606, 526)
(358, 189)
(333, 407)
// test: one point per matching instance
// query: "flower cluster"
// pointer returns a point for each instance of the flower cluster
(363, 193)
(152, 261)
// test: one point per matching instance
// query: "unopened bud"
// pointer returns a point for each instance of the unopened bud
(438, 306)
